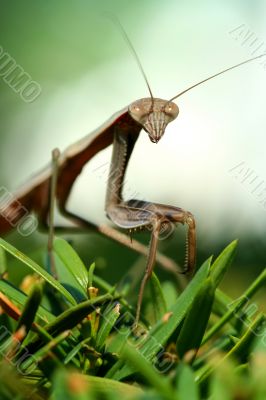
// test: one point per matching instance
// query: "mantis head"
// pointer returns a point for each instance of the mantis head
(153, 115)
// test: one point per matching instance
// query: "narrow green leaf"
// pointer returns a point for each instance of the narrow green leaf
(73, 316)
(39, 270)
(74, 351)
(147, 371)
(70, 318)
(240, 349)
(90, 274)
(196, 320)
(222, 263)
(43, 353)
(2, 261)
(244, 344)
(162, 331)
(107, 322)
(218, 388)
(72, 262)
(187, 388)
(170, 293)
(66, 278)
(118, 341)
(20, 299)
(90, 387)
(239, 303)
(221, 301)
(158, 302)
(31, 307)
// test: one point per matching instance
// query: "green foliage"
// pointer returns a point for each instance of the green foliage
(74, 337)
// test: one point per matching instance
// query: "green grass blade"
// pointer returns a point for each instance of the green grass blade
(72, 262)
(73, 386)
(237, 305)
(45, 353)
(70, 318)
(222, 263)
(20, 299)
(2, 261)
(196, 320)
(107, 322)
(162, 331)
(187, 388)
(73, 316)
(240, 349)
(91, 274)
(158, 302)
(39, 270)
(147, 371)
(31, 307)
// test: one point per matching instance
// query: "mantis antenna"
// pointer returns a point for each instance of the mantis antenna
(213, 76)
(116, 21)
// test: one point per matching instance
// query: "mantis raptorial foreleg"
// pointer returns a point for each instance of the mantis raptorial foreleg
(46, 221)
(134, 214)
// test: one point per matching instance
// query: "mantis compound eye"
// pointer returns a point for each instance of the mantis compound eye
(171, 109)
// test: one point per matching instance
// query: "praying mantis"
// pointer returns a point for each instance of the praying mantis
(121, 131)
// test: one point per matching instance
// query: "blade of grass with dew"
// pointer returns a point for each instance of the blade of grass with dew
(39, 270)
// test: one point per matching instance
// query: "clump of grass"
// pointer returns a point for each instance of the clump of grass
(73, 337)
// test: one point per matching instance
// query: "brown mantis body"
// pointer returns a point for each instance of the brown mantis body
(122, 131)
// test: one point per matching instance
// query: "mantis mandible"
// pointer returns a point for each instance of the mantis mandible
(122, 131)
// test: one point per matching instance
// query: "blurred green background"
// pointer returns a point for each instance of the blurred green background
(87, 73)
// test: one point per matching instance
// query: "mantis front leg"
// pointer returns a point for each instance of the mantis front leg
(137, 214)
